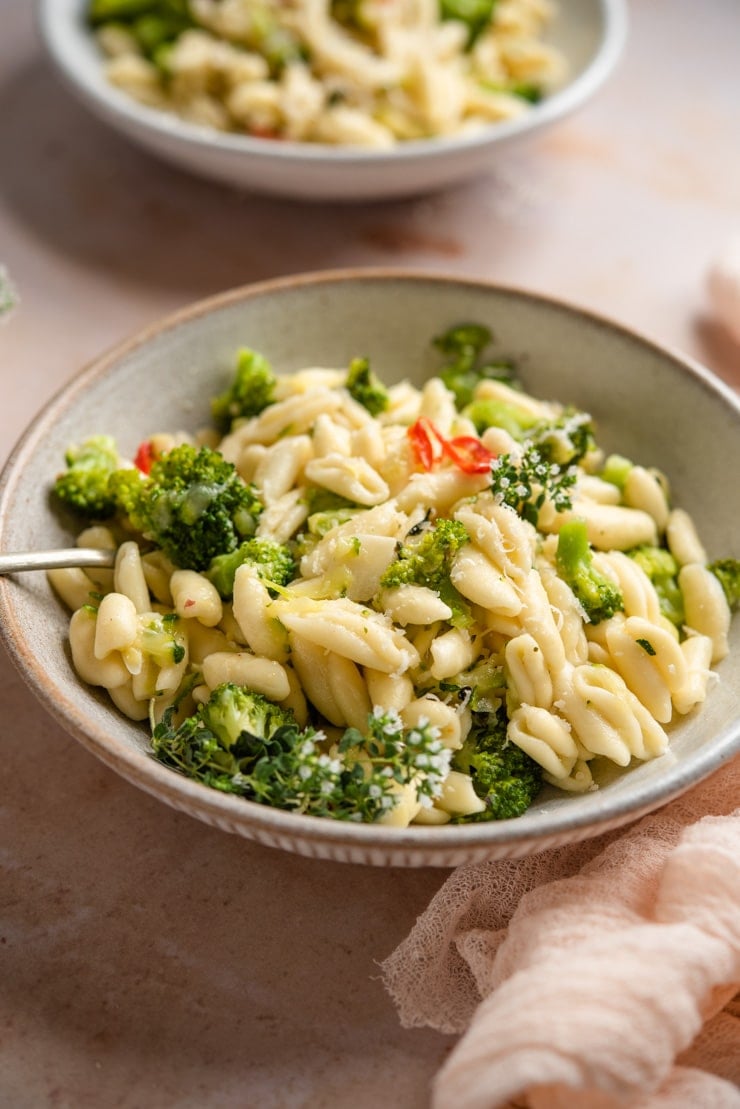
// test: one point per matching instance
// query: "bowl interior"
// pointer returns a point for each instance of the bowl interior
(590, 34)
(647, 404)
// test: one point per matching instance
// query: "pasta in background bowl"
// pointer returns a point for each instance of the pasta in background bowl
(165, 379)
(387, 103)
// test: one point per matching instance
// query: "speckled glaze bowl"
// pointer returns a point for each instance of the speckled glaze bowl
(648, 403)
(589, 33)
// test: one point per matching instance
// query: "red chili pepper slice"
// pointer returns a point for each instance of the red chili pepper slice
(426, 443)
(144, 457)
(264, 133)
(430, 447)
(469, 454)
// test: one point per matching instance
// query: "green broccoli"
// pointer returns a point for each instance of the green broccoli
(525, 90)
(482, 686)
(157, 29)
(662, 569)
(727, 573)
(319, 523)
(106, 11)
(347, 12)
(83, 487)
(273, 561)
(504, 776)
(616, 469)
(233, 712)
(366, 388)
(488, 412)
(153, 23)
(525, 482)
(162, 640)
(251, 390)
(426, 559)
(326, 510)
(221, 741)
(475, 14)
(193, 505)
(126, 489)
(465, 343)
(597, 594)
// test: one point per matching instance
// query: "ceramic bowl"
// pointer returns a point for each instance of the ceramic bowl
(590, 34)
(648, 403)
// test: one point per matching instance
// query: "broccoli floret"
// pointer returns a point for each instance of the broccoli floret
(326, 510)
(127, 490)
(273, 561)
(319, 523)
(496, 412)
(525, 90)
(83, 487)
(599, 597)
(105, 11)
(347, 12)
(251, 390)
(525, 482)
(366, 388)
(220, 743)
(727, 573)
(616, 469)
(193, 505)
(504, 776)
(232, 711)
(161, 645)
(475, 14)
(465, 343)
(483, 686)
(662, 569)
(426, 559)
(162, 640)
(320, 500)
(158, 29)
(155, 24)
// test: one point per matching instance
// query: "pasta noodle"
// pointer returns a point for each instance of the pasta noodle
(195, 598)
(706, 608)
(128, 576)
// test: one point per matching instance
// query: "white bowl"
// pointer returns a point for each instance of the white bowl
(648, 403)
(590, 34)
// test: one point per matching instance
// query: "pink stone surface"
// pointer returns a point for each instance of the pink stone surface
(147, 960)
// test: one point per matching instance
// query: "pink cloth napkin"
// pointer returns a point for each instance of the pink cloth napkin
(601, 975)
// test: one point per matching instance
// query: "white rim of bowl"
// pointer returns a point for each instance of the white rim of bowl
(62, 40)
(414, 846)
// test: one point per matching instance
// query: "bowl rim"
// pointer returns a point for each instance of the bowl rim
(114, 105)
(444, 845)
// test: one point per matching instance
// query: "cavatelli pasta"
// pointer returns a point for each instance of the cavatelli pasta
(490, 629)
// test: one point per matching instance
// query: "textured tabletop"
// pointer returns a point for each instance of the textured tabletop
(147, 960)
